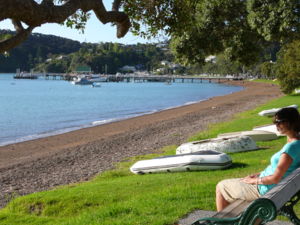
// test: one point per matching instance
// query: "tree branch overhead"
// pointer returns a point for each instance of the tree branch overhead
(35, 14)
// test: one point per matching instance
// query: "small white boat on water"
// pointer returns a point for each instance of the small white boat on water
(96, 84)
(256, 135)
(270, 128)
(272, 112)
(82, 81)
(231, 144)
(204, 160)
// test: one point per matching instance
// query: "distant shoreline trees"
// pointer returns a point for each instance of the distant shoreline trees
(51, 53)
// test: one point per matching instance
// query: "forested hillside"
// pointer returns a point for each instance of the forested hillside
(108, 58)
(55, 54)
(35, 50)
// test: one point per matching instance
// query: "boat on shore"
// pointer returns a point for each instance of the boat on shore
(256, 135)
(204, 160)
(230, 144)
(272, 112)
(270, 128)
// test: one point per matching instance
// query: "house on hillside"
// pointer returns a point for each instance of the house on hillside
(211, 59)
(61, 57)
(165, 63)
(128, 69)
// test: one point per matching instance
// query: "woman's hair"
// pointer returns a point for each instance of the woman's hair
(290, 115)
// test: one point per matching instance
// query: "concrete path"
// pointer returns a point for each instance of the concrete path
(192, 217)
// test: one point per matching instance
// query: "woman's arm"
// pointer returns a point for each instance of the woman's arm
(284, 163)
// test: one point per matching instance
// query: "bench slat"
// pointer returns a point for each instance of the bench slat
(285, 189)
(233, 210)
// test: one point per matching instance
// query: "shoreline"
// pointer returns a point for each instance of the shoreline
(90, 125)
(36, 136)
(76, 156)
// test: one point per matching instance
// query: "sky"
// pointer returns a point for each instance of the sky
(95, 31)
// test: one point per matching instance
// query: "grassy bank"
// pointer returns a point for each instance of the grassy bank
(275, 81)
(120, 197)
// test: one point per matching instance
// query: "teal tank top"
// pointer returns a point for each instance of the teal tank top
(293, 150)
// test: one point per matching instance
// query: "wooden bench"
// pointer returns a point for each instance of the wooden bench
(280, 200)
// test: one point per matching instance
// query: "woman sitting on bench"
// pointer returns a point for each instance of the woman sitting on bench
(282, 163)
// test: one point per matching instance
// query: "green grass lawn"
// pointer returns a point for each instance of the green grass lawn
(120, 197)
(267, 81)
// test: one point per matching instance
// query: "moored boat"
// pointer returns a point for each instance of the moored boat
(82, 81)
(231, 144)
(96, 84)
(204, 160)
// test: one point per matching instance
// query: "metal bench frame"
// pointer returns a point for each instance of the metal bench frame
(280, 200)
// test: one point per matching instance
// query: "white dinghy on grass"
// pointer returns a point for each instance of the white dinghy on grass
(231, 144)
(272, 112)
(256, 135)
(204, 160)
(269, 128)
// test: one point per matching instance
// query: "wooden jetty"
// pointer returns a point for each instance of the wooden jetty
(47, 76)
(126, 78)
(25, 76)
(165, 79)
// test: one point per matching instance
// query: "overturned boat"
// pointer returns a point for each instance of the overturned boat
(272, 112)
(230, 144)
(204, 160)
(268, 127)
(256, 135)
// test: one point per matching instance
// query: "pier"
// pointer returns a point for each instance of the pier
(165, 78)
(46, 76)
(126, 78)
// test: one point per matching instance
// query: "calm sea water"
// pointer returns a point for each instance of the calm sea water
(31, 109)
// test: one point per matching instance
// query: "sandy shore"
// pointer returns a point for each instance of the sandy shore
(77, 156)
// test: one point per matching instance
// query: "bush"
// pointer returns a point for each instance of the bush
(288, 67)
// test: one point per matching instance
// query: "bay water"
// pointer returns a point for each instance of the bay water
(31, 109)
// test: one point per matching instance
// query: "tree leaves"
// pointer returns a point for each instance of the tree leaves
(78, 20)
(275, 19)
(219, 26)
(288, 67)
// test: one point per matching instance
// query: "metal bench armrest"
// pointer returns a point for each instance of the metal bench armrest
(261, 208)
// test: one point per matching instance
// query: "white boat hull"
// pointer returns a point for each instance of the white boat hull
(272, 112)
(205, 160)
(270, 128)
(82, 81)
(256, 135)
(226, 145)
(96, 84)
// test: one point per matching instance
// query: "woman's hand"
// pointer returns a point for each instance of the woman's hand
(251, 179)
(252, 175)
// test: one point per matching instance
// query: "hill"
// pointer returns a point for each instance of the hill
(35, 50)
